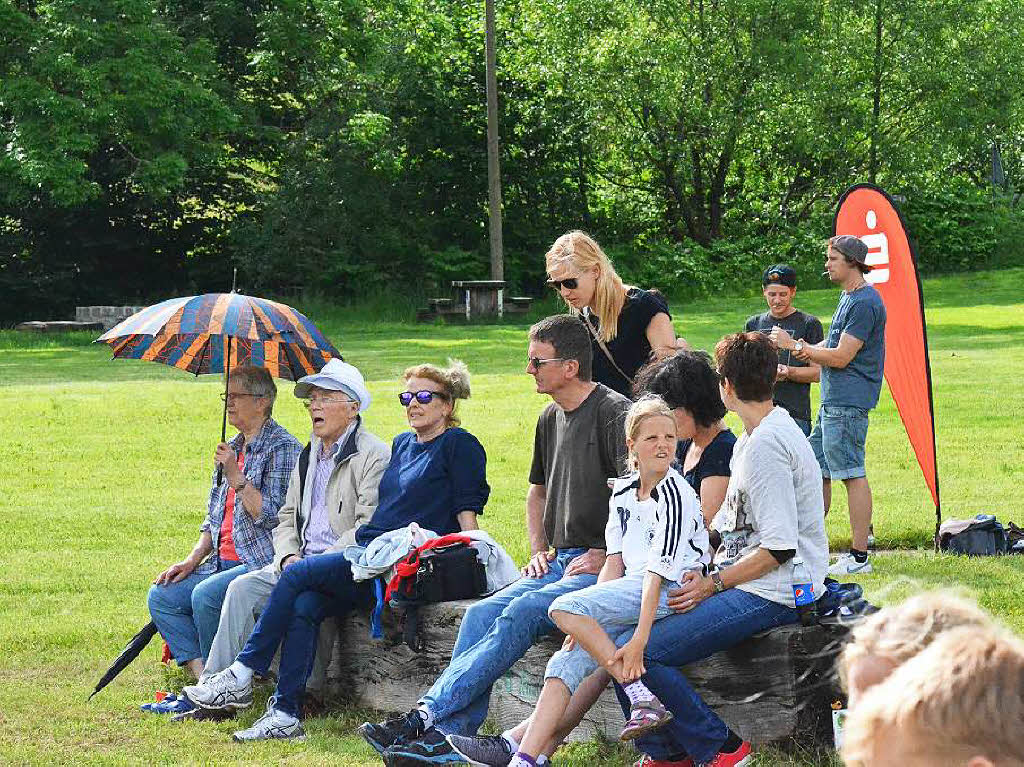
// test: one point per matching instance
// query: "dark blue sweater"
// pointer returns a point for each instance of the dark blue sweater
(429, 484)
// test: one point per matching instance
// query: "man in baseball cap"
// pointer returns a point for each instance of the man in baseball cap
(332, 491)
(851, 360)
(793, 386)
(336, 376)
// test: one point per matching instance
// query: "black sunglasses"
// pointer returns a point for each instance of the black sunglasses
(536, 362)
(571, 283)
(423, 396)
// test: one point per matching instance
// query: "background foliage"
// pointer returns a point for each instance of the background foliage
(337, 146)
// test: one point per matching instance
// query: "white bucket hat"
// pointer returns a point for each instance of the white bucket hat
(337, 376)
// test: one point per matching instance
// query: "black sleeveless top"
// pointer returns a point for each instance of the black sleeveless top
(630, 347)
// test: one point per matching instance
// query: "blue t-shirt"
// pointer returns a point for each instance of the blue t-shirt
(429, 483)
(862, 315)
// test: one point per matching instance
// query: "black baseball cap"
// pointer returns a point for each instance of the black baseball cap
(780, 274)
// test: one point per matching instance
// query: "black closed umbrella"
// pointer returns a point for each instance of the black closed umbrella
(128, 654)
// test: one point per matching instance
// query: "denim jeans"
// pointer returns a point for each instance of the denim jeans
(615, 606)
(309, 591)
(717, 623)
(838, 441)
(187, 612)
(805, 426)
(494, 634)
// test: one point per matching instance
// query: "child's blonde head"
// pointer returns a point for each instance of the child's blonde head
(645, 408)
(896, 634)
(959, 701)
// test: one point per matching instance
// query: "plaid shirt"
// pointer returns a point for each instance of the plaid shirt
(269, 460)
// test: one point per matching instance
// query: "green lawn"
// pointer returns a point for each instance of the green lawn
(108, 465)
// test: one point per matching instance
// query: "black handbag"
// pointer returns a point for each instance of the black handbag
(442, 574)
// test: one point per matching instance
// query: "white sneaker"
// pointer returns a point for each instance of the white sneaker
(273, 725)
(221, 691)
(847, 565)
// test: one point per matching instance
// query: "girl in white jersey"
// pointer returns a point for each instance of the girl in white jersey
(655, 533)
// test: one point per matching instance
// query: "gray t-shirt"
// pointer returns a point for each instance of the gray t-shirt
(574, 454)
(774, 502)
(792, 395)
(862, 315)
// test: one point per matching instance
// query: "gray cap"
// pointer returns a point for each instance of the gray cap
(852, 247)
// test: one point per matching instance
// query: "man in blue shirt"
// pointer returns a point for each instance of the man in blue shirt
(852, 358)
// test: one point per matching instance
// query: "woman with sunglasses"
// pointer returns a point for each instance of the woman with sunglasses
(436, 478)
(437, 475)
(628, 326)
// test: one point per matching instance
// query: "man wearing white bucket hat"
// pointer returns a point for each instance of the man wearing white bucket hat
(333, 490)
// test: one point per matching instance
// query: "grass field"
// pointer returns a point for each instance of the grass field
(107, 465)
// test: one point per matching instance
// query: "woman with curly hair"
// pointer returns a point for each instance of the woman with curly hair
(689, 384)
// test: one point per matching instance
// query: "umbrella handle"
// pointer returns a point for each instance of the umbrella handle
(224, 415)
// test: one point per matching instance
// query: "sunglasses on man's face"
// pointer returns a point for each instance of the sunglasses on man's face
(570, 283)
(536, 362)
(423, 396)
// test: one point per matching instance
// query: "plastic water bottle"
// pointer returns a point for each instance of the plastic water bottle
(803, 593)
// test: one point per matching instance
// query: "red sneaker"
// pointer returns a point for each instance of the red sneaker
(741, 756)
(646, 761)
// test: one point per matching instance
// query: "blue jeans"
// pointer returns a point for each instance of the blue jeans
(309, 591)
(717, 623)
(494, 634)
(805, 426)
(187, 612)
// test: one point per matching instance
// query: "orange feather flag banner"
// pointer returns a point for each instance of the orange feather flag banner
(869, 213)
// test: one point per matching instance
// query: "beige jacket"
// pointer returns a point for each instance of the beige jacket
(351, 494)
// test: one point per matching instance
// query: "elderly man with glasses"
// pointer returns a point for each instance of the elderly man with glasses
(333, 490)
(242, 513)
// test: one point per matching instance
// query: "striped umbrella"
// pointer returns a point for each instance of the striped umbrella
(194, 334)
(200, 333)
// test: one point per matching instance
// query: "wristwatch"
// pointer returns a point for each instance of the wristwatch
(716, 578)
(798, 346)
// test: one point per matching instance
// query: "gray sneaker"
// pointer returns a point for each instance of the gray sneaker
(221, 691)
(485, 750)
(273, 725)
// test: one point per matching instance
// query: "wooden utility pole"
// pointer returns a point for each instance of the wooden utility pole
(493, 164)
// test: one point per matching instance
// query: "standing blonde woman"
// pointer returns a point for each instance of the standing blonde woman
(628, 326)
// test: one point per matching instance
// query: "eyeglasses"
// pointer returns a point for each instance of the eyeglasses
(423, 396)
(536, 362)
(232, 396)
(570, 283)
(323, 401)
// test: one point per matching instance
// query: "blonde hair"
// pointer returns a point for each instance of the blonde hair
(454, 380)
(648, 406)
(961, 697)
(581, 251)
(900, 632)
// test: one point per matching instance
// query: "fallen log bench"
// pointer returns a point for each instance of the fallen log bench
(774, 688)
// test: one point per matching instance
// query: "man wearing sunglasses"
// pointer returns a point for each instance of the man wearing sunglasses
(578, 444)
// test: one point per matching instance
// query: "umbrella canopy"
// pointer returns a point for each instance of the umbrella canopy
(128, 654)
(194, 334)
